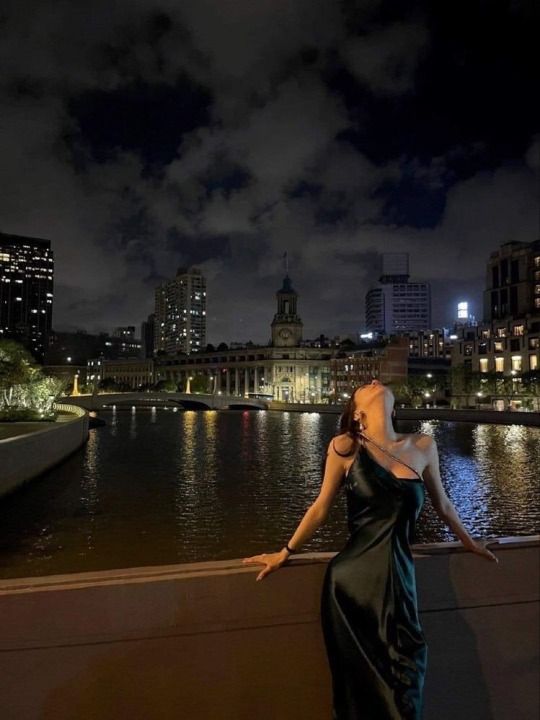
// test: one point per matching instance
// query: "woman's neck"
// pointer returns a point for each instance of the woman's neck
(380, 429)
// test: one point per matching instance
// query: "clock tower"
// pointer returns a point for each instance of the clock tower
(286, 325)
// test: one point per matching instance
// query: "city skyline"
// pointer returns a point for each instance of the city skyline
(141, 139)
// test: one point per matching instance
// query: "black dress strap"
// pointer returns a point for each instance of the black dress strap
(390, 454)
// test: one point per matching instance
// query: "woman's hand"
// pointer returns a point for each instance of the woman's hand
(273, 561)
(479, 547)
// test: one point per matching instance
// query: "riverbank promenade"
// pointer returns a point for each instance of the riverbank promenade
(204, 640)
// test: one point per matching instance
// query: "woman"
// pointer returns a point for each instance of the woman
(374, 641)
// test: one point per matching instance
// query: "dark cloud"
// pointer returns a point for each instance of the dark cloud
(141, 137)
(146, 119)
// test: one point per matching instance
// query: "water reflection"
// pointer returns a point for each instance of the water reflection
(157, 487)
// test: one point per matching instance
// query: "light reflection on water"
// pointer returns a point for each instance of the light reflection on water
(159, 487)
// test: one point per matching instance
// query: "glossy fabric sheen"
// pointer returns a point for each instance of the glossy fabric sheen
(374, 641)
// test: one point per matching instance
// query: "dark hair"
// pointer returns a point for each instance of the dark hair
(347, 424)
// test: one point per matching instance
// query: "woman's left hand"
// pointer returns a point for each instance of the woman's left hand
(273, 562)
(479, 548)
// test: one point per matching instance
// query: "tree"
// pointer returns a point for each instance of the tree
(200, 384)
(465, 383)
(222, 347)
(17, 367)
(24, 389)
(167, 385)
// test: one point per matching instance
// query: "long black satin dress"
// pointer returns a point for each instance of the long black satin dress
(375, 645)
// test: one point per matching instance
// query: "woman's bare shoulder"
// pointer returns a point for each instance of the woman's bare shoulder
(424, 437)
(343, 444)
(422, 441)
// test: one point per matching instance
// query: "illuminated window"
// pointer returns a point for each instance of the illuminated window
(484, 365)
(519, 329)
(533, 362)
(516, 363)
(499, 364)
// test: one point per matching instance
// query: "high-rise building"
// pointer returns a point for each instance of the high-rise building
(180, 313)
(147, 336)
(395, 304)
(26, 291)
(512, 281)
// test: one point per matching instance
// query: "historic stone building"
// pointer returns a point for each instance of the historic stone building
(288, 370)
(284, 369)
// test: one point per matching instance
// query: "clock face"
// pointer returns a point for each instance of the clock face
(284, 333)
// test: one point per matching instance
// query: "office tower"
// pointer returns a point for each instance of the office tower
(396, 304)
(26, 291)
(180, 313)
(513, 281)
(147, 336)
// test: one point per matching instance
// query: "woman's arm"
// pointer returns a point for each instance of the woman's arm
(315, 515)
(441, 502)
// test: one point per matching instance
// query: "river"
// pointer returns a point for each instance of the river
(156, 487)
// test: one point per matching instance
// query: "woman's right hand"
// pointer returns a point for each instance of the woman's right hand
(479, 547)
(272, 561)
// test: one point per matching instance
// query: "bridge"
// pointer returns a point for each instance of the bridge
(187, 401)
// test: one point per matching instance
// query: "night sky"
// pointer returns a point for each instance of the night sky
(139, 137)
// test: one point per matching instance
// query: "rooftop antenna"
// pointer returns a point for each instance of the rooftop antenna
(286, 262)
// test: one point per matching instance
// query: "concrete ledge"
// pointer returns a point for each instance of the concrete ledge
(204, 640)
(24, 457)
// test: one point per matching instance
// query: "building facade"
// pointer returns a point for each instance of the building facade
(180, 313)
(147, 336)
(513, 281)
(26, 291)
(506, 344)
(397, 305)
(127, 332)
(385, 360)
(289, 369)
(76, 348)
(435, 343)
(509, 347)
(135, 374)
